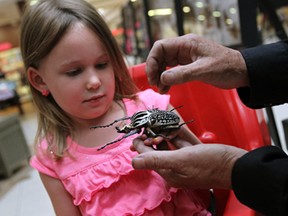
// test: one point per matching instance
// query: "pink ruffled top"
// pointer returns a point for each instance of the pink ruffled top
(105, 183)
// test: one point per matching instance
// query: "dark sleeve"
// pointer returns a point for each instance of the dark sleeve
(267, 67)
(260, 180)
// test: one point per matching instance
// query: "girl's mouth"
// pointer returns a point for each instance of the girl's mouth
(94, 99)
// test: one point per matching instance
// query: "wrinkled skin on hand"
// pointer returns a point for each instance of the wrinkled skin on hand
(191, 164)
(198, 59)
(200, 166)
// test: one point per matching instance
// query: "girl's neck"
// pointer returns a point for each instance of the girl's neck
(116, 110)
(100, 136)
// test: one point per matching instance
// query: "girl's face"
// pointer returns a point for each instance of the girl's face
(78, 73)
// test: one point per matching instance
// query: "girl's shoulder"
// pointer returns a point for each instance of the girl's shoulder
(43, 159)
(150, 93)
(149, 99)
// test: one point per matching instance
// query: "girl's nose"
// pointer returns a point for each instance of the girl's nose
(93, 81)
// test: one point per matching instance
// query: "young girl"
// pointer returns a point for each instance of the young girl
(78, 79)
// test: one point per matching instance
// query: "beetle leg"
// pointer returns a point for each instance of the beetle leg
(148, 131)
(188, 122)
(176, 108)
(123, 137)
(104, 126)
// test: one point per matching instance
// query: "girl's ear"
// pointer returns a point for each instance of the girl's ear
(35, 79)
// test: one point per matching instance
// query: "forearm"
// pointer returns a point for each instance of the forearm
(267, 67)
(260, 178)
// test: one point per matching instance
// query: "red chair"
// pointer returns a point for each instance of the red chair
(219, 117)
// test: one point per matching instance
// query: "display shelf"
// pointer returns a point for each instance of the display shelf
(11, 60)
(12, 66)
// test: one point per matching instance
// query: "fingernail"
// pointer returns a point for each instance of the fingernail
(156, 139)
(138, 163)
(167, 76)
(168, 72)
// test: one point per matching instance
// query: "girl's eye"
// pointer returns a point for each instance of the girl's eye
(101, 65)
(74, 72)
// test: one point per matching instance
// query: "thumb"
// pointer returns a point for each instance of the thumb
(177, 75)
(155, 160)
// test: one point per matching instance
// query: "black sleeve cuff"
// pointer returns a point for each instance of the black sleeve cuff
(267, 67)
(260, 180)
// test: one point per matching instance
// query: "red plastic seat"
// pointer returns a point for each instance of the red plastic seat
(219, 117)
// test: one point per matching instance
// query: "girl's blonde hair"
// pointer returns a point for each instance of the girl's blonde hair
(43, 26)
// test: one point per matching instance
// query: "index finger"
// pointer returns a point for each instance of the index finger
(154, 66)
(140, 147)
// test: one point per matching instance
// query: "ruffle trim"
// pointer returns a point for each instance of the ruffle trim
(98, 176)
(110, 183)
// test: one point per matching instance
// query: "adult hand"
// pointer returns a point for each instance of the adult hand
(200, 166)
(198, 59)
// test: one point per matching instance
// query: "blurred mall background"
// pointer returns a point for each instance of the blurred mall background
(136, 24)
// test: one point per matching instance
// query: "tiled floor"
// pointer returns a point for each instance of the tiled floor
(24, 195)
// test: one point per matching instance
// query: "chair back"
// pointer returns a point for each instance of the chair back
(219, 117)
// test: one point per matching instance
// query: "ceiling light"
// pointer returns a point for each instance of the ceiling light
(32, 2)
(233, 10)
(229, 21)
(216, 14)
(160, 12)
(201, 17)
(101, 11)
(186, 9)
(199, 4)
